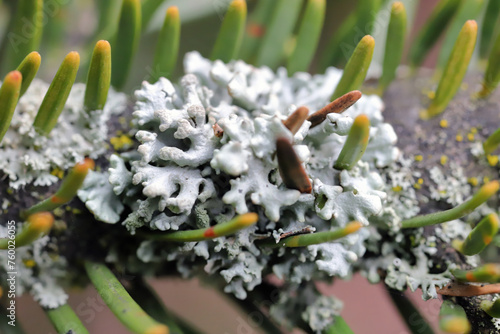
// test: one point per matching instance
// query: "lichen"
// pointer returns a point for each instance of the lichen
(208, 152)
(100, 199)
(37, 271)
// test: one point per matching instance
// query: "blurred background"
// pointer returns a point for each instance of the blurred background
(367, 308)
(71, 26)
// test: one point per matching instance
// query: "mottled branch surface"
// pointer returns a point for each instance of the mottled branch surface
(405, 100)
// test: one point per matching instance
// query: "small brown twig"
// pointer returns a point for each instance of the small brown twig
(305, 230)
(457, 289)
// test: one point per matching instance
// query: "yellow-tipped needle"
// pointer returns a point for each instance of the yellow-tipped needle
(29, 68)
(55, 98)
(167, 48)
(230, 36)
(99, 77)
(355, 144)
(457, 212)
(66, 191)
(453, 319)
(356, 68)
(455, 70)
(9, 95)
(38, 225)
(481, 236)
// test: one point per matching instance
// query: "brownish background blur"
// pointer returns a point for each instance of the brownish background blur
(367, 309)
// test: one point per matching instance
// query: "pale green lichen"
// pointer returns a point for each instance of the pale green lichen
(401, 274)
(29, 158)
(321, 313)
(43, 279)
(452, 188)
(100, 199)
(183, 175)
(207, 153)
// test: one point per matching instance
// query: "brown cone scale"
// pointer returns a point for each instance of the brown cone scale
(296, 119)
